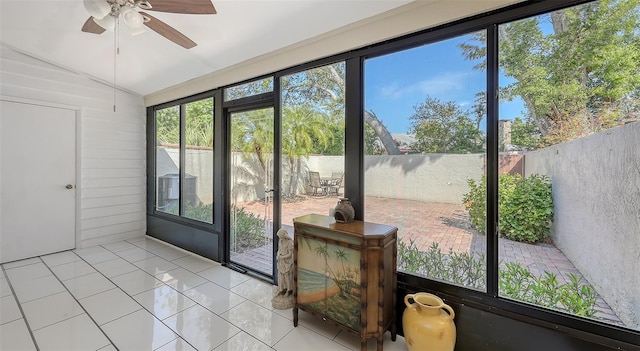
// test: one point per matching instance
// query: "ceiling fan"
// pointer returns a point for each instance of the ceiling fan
(104, 14)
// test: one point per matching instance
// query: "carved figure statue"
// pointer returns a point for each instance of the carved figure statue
(284, 260)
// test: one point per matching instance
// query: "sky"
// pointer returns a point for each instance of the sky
(397, 82)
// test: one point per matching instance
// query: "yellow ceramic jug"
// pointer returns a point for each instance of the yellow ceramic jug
(426, 325)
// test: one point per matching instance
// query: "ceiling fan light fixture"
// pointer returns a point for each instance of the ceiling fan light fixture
(108, 22)
(97, 8)
(137, 30)
(132, 18)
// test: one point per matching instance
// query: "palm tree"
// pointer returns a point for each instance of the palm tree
(342, 256)
(252, 133)
(302, 129)
(323, 251)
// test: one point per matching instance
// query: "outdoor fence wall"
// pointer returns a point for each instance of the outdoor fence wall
(434, 177)
(431, 178)
(596, 193)
(512, 164)
(199, 164)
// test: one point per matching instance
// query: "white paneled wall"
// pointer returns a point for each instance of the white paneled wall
(111, 145)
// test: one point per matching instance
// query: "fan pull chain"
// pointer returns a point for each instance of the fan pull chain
(116, 52)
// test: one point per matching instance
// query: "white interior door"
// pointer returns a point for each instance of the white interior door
(37, 176)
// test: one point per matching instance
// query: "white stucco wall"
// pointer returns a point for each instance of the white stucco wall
(596, 192)
(431, 177)
(199, 163)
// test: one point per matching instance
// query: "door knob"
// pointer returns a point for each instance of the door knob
(69, 186)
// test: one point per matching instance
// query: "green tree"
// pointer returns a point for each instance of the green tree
(371, 120)
(252, 133)
(524, 134)
(168, 126)
(443, 127)
(255, 87)
(199, 123)
(321, 87)
(577, 70)
(372, 145)
(303, 130)
(325, 87)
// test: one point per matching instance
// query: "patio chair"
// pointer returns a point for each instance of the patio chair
(337, 180)
(315, 183)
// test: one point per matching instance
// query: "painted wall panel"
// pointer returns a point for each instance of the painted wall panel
(111, 145)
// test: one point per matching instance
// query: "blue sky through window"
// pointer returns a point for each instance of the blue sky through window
(397, 82)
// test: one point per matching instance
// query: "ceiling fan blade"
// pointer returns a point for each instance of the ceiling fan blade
(198, 7)
(168, 32)
(90, 26)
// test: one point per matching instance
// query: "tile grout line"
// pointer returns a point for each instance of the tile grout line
(178, 336)
(15, 297)
(197, 303)
(164, 284)
(79, 304)
(118, 287)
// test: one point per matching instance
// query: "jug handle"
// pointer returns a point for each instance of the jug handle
(406, 299)
(450, 310)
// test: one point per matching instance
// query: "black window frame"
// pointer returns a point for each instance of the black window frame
(152, 161)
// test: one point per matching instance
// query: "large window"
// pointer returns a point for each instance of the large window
(504, 148)
(187, 193)
(313, 122)
(168, 159)
(567, 173)
(425, 144)
(256, 87)
(567, 206)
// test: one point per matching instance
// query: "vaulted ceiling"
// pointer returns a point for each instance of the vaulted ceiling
(241, 30)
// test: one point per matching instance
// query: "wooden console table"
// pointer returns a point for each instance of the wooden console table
(345, 273)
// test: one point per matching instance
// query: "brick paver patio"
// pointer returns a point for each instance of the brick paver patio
(426, 223)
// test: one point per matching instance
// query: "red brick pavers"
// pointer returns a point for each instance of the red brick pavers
(449, 226)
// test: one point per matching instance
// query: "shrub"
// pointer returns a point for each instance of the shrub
(515, 281)
(525, 206)
(459, 268)
(201, 212)
(247, 230)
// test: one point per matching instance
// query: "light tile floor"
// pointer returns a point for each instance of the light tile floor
(143, 294)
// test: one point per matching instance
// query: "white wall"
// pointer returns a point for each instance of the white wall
(112, 182)
(596, 194)
(431, 177)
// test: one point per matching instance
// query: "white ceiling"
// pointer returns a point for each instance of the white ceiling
(242, 29)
